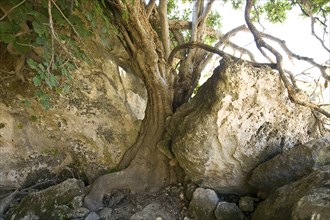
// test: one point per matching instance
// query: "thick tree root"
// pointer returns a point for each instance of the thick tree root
(147, 176)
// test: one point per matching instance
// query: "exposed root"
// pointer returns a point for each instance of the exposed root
(141, 176)
(5, 203)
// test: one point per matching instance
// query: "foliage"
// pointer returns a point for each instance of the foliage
(28, 29)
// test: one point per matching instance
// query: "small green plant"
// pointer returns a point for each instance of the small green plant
(53, 33)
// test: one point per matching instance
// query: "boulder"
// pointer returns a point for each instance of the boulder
(307, 198)
(88, 129)
(51, 203)
(203, 204)
(228, 211)
(291, 165)
(240, 117)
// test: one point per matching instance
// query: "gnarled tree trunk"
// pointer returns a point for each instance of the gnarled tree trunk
(143, 167)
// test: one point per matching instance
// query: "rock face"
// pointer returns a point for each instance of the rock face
(88, 129)
(307, 198)
(292, 165)
(234, 123)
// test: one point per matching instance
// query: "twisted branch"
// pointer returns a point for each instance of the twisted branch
(260, 43)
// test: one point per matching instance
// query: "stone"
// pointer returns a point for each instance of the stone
(291, 165)
(246, 203)
(203, 204)
(80, 212)
(105, 213)
(190, 189)
(88, 129)
(92, 216)
(77, 202)
(228, 211)
(307, 198)
(152, 211)
(49, 203)
(235, 122)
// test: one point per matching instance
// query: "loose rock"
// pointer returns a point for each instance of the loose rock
(228, 211)
(152, 211)
(291, 165)
(49, 203)
(203, 204)
(246, 203)
(92, 216)
(106, 213)
(307, 198)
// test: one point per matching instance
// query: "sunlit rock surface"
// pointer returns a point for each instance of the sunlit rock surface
(239, 118)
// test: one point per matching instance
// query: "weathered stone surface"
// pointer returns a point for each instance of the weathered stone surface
(88, 129)
(203, 204)
(235, 122)
(152, 211)
(228, 211)
(92, 216)
(106, 213)
(307, 198)
(291, 165)
(246, 203)
(51, 203)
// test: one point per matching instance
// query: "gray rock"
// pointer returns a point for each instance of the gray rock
(92, 216)
(234, 123)
(291, 165)
(203, 204)
(80, 212)
(190, 188)
(77, 202)
(246, 203)
(228, 211)
(152, 211)
(307, 198)
(313, 206)
(106, 213)
(49, 203)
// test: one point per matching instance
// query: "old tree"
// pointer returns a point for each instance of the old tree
(167, 47)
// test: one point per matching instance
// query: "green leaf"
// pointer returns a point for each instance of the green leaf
(36, 80)
(33, 64)
(7, 38)
(21, 49)
(6, 27)
(66, 88)
(39, 28)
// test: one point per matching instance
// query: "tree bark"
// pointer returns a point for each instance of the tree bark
(143, 167)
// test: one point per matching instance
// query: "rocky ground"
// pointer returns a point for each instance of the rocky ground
(65, 201)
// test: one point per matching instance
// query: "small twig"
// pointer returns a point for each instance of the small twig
(317, 37)
(51, 25)
(10, 10)
(67, 20)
